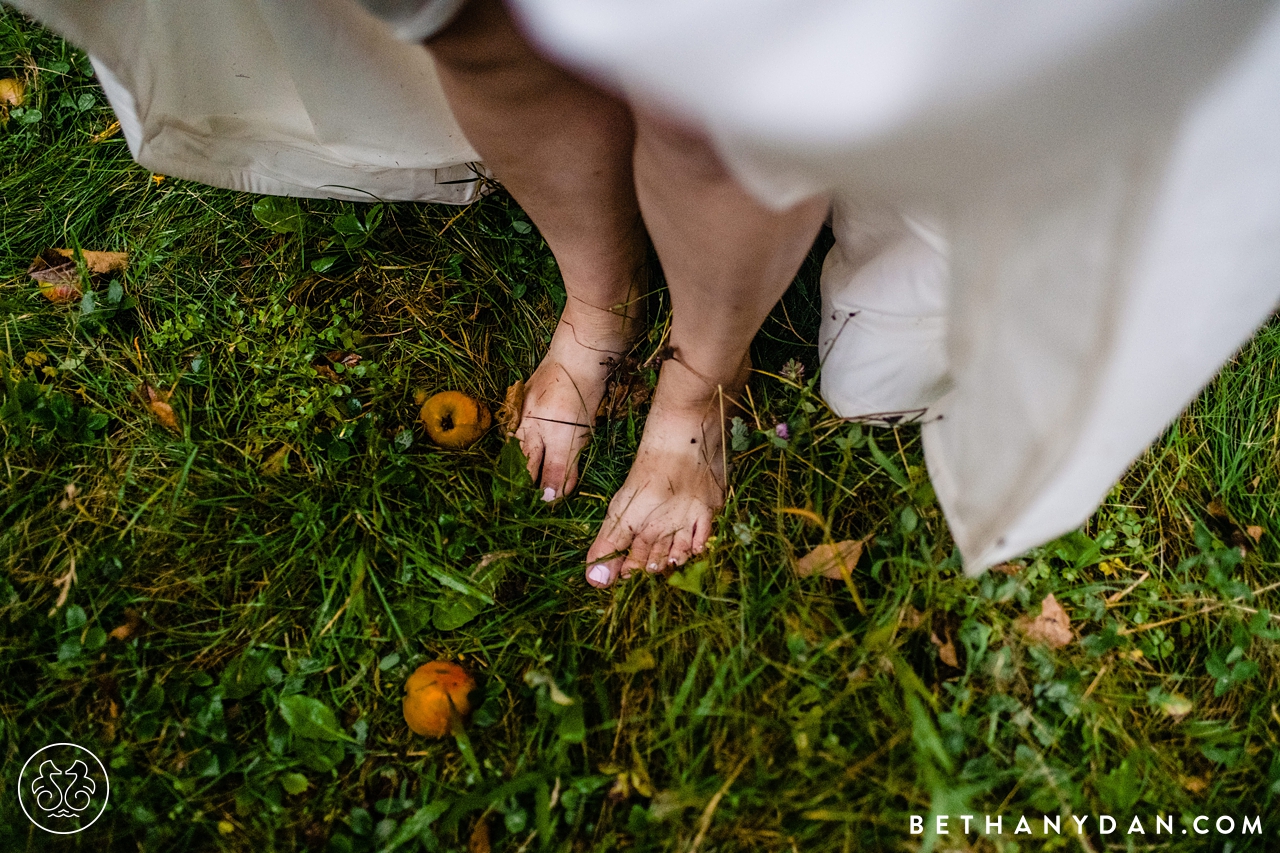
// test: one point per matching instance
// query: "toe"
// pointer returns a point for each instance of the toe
(533, 449)
(681, 546)
(657, 560)
(559, 473)
(638, 554)
(605, 556)
(701, 529)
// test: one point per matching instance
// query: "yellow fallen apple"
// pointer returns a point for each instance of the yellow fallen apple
(454, 420)
(433, 694)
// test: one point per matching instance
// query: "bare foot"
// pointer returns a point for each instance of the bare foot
(664, 511)
(562, 396)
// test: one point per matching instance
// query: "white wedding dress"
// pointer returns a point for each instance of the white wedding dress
(1054, 221)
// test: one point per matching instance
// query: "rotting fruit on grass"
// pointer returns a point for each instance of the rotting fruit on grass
(454, 420)
(433, 694)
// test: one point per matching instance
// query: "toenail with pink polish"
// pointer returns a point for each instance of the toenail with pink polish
(599, 574)
(653, 567)
(548, 494)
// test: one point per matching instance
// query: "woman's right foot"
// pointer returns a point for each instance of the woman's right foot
(564, 393)
(664, 512)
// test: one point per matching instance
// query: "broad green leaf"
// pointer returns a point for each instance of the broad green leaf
(310, 718)
(318, 755)
(294, 783)
(246, 674)
(416, 824)
(690, 577)
(281, 215)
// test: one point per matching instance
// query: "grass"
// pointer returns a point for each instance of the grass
(299, 537)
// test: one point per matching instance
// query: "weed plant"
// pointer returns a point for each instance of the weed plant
(226, 614)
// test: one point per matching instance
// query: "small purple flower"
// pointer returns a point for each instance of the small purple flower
(793, 370)
(782, 431)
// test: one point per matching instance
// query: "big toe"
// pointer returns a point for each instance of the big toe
(607, 554)
(559, 476)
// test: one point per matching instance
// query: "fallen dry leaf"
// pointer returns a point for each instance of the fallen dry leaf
(107, 132)
(158, 403)
(58, 275)
(1254, 532)
(510, 413)
(132, 622)
(64, 587)
(479, 840)
(1176, 706)
(324, 365)
(627, 389)
(13, 92)
(1008, 568)
(1051, 627)
(946, 651)
(828, 559)
(1195, 784)
(274, 464)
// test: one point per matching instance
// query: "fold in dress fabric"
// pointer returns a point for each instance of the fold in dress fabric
(1088, 202)
(1054, 221)
(316, 99)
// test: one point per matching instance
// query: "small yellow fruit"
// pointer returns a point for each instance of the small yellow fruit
(60, 292)
(13, 93)
(433, 691)
(454, 420)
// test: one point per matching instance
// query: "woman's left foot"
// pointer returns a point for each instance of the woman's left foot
(562, 396)
(664, 512)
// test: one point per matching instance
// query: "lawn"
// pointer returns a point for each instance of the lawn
(175, 586)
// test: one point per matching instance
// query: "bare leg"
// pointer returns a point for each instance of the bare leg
(727, 260)
(563, 149)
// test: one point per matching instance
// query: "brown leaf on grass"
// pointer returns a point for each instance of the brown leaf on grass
(478, 842)
(274, 464)
(58, 275)
(1195, 784)
(54, 265)
(1008, 568)
(158, 403)
(132, 622)
(1052, 627)
(512, 408)
(828, 559)
(64, 587)
(627, 389)
(13, 93)
(324, 365)
(1254, 532)
(946, 651)
(346, 359)
(106, 133)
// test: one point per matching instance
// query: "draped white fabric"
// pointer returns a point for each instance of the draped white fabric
(1088, 196)
(1055, 220)
(315, 99)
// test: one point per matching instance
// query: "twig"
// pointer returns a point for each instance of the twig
(704, 824)
(1093, 685)
(1115, 599)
